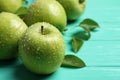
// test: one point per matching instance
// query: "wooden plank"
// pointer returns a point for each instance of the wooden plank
(107, 17)
(87, 73)
(110, 33)
(99, 53)
(91, 73)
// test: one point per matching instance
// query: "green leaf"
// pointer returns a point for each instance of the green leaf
(72, 61)
(83, 35)
(89, 24)
(21, 11)
(76, 44)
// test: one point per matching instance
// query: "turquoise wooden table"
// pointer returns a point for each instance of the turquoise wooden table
(101, 53)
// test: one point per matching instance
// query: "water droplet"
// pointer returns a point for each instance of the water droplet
(29, 39)
(28, 48)
(6, 39)
(48, 62)
(10, 36)
(23, 45)
(38, 49)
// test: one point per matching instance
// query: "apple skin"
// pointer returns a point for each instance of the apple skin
(10, 5)
(11, 30)
(49, 11)
(74, 8)
(42, 53)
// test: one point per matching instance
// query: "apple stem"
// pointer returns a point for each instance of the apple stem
(42, 32)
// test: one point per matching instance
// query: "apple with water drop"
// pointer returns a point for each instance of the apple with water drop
(49, 11)
(11, 30)
(10, 5)
(42, 48)
(74, 8)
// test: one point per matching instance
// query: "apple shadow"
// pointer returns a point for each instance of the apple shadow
(96, 30)
(71, 22)
(4, 63)
(22, 73)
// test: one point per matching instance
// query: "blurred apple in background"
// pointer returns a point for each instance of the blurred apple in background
(74, 8)
(11, 30)
(10, 5)
(49, 11)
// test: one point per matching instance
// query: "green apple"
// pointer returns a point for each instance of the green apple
(74, 8)
(42, 48)
(10, 5)
(46, 11)
(11, 30)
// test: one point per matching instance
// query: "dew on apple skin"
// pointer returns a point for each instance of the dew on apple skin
(23, 45)
(2, 45)
(26, 33)
(28, 48)
(6, 39)
(32, 42)
(49, 62)
(39, 58)
(22, 40)
(0, 42)
(38, 49)
(28, 39)
(10, 36)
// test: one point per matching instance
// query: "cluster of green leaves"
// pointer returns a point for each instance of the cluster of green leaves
(78, 38)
